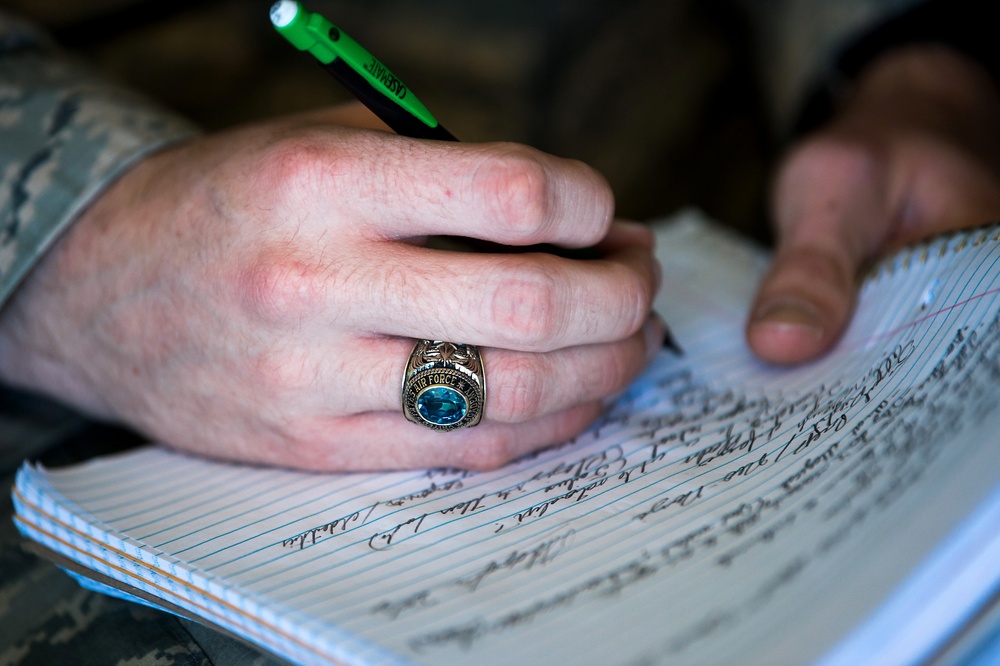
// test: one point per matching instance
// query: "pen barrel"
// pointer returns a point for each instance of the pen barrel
(358, 70)
(392, 114)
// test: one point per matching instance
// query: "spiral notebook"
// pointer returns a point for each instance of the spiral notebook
(722, 511)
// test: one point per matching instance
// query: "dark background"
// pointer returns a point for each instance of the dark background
(660, 96)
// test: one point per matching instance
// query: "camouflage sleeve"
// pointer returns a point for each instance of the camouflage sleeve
(64, 135)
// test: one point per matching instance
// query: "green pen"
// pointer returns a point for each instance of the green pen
(358, 70)
(382, 92)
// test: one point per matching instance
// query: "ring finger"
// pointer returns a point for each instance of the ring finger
(521, 386)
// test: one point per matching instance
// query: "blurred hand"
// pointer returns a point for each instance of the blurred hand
(915, 151)
(255, 294)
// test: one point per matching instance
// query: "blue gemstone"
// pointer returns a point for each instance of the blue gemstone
(441, 405)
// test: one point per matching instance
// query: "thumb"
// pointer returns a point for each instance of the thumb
(831, 216)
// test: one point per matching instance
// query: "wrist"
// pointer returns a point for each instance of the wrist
(962, 27)
(929, 84)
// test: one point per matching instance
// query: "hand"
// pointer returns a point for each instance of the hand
(255, 294)
(914, 152)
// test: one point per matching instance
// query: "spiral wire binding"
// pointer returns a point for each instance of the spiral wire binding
(937, 248)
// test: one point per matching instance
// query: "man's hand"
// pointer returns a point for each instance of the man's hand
(914, 152)
(255, 295)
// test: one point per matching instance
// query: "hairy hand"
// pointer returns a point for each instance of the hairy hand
(914, 152)
(255, 294)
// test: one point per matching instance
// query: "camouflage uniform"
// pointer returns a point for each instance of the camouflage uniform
(65, 134)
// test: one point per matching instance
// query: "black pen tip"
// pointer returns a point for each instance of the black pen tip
(670, 343)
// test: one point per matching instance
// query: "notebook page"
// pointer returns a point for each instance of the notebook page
(721, 508)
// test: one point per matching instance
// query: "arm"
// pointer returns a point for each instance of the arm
(64, 137)
(254, 295)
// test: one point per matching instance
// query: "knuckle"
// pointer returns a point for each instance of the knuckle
(289, 162)
(278, 287)
(525, 307)
(515, 187)
(302, 161)
(520, 389)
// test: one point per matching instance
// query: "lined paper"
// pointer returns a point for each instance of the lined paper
(720, 508)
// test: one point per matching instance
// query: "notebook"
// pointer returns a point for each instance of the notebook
(721, 511)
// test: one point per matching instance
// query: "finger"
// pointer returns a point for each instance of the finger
(948, 190)
(625, 236)
(394, 187)
(626, 233)
(525, 302)
(385, 441)
(524, 387)
(505, 193)
(802, 305)
(521, 386)
(832, 214)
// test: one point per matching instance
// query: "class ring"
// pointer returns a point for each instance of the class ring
(444, 385)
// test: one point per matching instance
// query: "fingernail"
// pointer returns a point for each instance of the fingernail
(790, 314)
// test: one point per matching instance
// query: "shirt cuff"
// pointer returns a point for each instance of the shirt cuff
(65, 135)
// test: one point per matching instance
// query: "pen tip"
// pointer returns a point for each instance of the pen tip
(669, 342)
